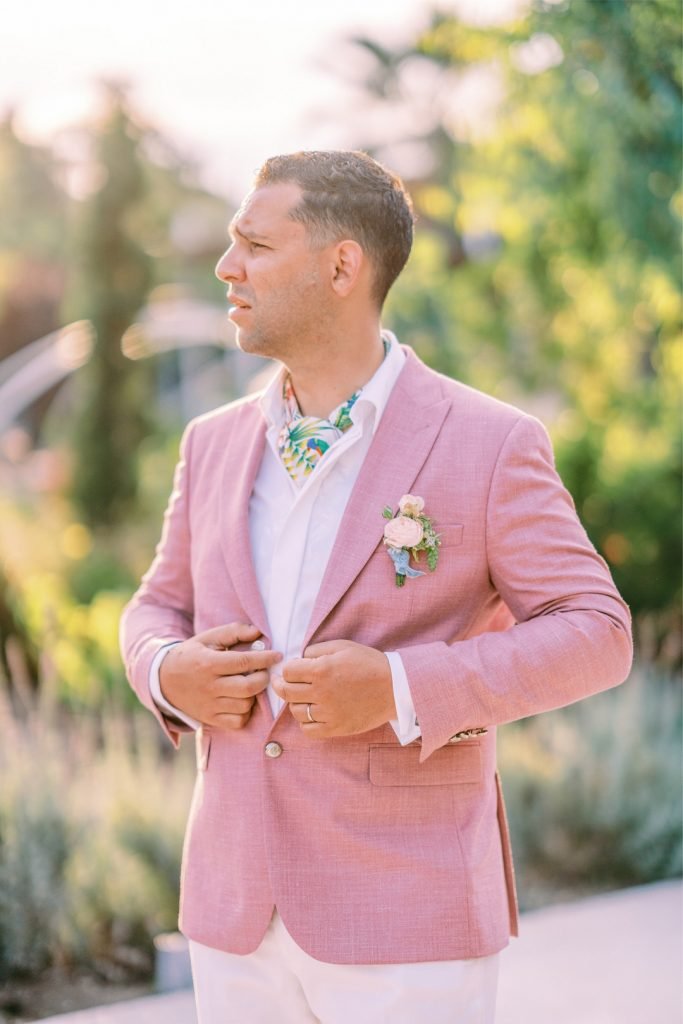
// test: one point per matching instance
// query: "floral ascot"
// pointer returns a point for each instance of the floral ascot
(408, 532)
(303, 440)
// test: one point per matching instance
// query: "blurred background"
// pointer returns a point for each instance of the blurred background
(541, 142)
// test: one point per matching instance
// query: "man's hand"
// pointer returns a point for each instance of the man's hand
(210, 682)
(348, 686)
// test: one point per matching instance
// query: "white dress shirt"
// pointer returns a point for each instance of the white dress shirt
(293, 528)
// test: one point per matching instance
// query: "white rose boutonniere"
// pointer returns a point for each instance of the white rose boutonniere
(411, 505)
(403, 532)
(408, 532)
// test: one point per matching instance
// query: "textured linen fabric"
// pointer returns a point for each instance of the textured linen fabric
(373, 852)
(292, 529)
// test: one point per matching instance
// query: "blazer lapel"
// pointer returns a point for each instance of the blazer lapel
(238, 482)
(405, 436)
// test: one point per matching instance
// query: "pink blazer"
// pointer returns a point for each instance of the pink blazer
(373, 852)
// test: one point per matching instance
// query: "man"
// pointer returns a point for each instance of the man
(363, 571)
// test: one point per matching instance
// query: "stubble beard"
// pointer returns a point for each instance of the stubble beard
(267, 343)
(252, 343)
(297, 337)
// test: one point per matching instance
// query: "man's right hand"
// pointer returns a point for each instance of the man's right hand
(210, 682)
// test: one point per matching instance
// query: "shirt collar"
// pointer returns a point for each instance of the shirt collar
(370, 403)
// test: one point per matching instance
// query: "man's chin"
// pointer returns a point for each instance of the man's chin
(252, 344)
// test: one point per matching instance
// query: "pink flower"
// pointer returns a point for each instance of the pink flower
(402, 532)
(411, 505)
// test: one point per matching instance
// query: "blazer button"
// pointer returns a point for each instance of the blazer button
(272, 749)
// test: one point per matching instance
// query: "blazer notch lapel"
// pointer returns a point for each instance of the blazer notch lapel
(240, 470)
(404, 439)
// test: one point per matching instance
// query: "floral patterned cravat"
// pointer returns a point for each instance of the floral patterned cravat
(303, 440)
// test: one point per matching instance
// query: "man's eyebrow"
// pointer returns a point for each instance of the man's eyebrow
(249, 236)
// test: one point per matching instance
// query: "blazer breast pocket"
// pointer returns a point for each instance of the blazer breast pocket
(450, 534)
(450, 766)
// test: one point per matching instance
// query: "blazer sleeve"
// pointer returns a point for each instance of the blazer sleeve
(162, 609)
(572, 636)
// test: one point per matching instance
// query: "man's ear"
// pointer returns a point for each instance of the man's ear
(349, 262)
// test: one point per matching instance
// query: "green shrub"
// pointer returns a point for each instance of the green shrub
(63, 588)
(594, 791)
(92, 814)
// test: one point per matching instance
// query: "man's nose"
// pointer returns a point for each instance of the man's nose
(228, 267)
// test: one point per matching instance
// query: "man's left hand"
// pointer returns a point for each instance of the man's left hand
(347, 685)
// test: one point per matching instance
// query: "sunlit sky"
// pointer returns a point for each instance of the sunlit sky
(230, 83)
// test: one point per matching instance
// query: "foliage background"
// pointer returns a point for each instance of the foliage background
(546, 271)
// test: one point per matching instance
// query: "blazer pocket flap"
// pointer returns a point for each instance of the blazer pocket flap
(448, 766)
(202, 741)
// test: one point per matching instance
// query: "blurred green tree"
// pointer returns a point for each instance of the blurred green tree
(86, 234)
(32, 200)
(33, 219)
(547, 261)
(116, 277)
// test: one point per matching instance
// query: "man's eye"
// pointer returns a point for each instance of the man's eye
(257, 245)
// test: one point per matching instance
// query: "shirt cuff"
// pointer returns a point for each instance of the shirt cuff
(405, 725)
(157, 696)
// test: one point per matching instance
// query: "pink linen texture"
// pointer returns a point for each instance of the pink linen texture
(373, 852)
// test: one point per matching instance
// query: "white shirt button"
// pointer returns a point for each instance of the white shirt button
(258, 645)
(272, 749)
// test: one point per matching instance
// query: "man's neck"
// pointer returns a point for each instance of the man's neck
(321, 385)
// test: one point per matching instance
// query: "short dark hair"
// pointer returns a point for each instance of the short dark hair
(347, 194)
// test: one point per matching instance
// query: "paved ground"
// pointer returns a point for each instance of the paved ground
(614, 959)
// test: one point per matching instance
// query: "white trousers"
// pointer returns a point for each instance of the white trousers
(281, 983)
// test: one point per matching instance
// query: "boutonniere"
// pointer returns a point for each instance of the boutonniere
(408, 532)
